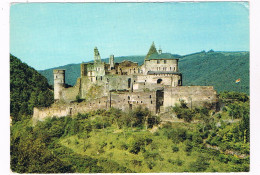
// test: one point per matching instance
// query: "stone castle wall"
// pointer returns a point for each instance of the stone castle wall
(193, 95)
(121, 100)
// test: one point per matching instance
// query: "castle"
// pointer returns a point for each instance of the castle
(156, 84)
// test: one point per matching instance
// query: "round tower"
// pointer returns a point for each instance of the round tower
(59, 83)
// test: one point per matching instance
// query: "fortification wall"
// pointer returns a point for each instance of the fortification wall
(69, 94)
(131, 100)
(193, 95)
(120, 100)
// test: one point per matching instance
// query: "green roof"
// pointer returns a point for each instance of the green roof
(157, 56)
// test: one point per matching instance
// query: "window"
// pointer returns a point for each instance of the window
(158, 61)
(151, 102)
(165, 61)
(129, 82)
(101, 77)
(150, 96)
(159, 81)
(170, 68)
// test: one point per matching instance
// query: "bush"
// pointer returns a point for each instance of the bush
(138, 143)
(200, 165)
(188, 146)
(150, 164)
(179, 162)
(175, 148)
(76, 142)
(103, 144)
(123, 146)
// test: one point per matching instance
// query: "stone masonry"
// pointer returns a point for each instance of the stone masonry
(157, 85)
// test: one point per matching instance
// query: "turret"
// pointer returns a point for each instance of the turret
(59, 83)
(97, 58)
(111, 62)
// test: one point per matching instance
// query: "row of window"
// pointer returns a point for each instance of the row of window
(165, 68)
(161, 61)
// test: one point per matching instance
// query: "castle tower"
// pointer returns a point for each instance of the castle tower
(111, 61)
(97, 58)
(59, 82)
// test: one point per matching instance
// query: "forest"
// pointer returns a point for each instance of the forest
(112, 141)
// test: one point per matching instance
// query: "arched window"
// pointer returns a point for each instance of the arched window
(159, 81)
(129, 82)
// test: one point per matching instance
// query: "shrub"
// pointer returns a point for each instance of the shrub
(150, 164)
(175, 148)
(76, 142)
(178, 161)
(138, 143)
(188, 146)
(201, 164)
(136, 162)
(103, 144)
(123, 146)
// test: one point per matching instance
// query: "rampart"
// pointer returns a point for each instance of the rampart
(193, 95)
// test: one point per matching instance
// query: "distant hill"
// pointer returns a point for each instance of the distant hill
(219, 69)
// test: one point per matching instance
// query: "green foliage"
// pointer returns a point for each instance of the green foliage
(28, 89)
(230, 96)
(183, 112)
(175, 134)
(218, 69)
(114, 141)
(200, 165)
(136, 143)
(30, 154)
(175, 148)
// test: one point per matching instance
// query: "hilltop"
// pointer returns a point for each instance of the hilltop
(28, 89)
(219, 69)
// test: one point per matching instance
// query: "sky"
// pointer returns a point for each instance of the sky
(47, 35)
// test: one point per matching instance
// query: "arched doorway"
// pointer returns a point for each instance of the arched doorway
(159, 81)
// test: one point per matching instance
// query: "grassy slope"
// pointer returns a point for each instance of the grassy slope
(160, 144)
(219, 69)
